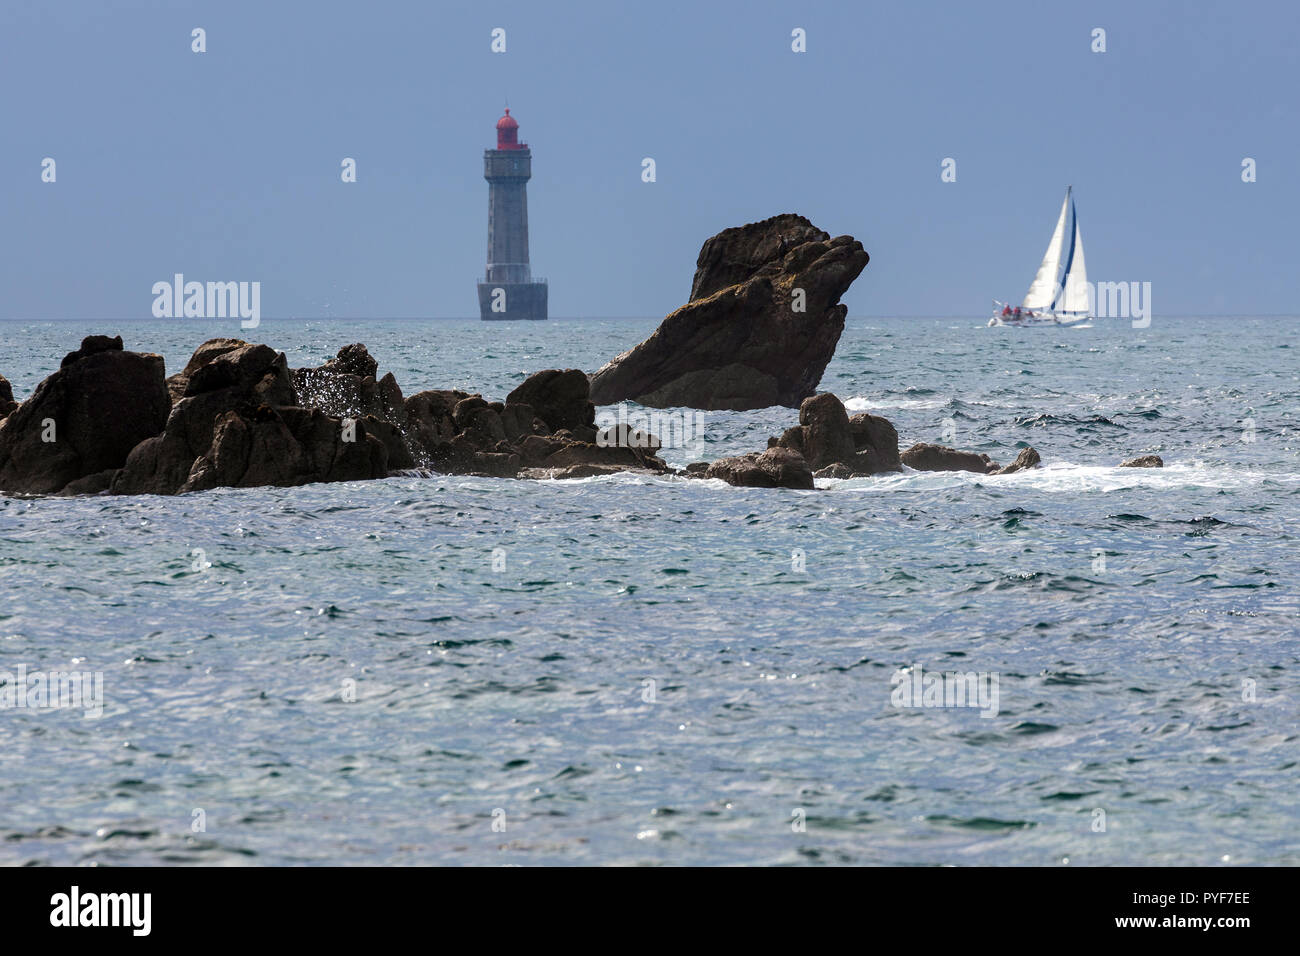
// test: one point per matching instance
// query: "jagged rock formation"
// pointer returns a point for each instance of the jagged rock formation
(84, 419)
(108, 421)
(346, 387)
(761, 325)
(1144, 461)
(553, 438)
(240, 379)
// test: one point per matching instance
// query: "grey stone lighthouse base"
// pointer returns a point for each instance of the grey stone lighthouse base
(511, 300)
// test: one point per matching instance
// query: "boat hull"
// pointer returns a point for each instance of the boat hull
(1041, 321)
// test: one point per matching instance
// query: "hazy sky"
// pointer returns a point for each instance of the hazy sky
(225, 165)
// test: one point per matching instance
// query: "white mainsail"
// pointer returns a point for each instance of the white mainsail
(1046, 285)
(1075, 296)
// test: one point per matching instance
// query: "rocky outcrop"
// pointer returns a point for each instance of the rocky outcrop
(242, 378)
(7, 403)
(562, 399)
(761, 325)
(236, 416)
(842, 447)
(205, 353)
(1144, 461)
(548, 436)
(347, 387)
(926, 457)
(84, 419)
(253, 447)
(774, 468)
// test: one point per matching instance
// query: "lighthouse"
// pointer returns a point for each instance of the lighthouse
(509, 290)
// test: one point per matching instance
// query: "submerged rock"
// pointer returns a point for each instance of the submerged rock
(1144, 461)
(1028, 458)
(774, 468)
(926, 457)
(762, 323)
(84, 419)
(543, 430)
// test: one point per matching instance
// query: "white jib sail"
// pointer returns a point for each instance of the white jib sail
(1043, 290)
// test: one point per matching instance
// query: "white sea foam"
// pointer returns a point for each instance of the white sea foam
(860, 403)
(1068, 477)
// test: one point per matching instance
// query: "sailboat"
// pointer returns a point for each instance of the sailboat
(1059, 294)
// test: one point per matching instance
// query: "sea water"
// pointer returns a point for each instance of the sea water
(633, 669)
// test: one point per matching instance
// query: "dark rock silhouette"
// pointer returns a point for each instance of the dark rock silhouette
(84, 419)
(252, 447)
(561, 398)
(205, 353)
(829, 439)
(761, 325)
(1144, 461)
(244, 377)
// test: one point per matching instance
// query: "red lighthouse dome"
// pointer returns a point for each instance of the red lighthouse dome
(508, 133)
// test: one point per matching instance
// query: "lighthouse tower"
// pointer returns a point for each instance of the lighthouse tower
(509, 290)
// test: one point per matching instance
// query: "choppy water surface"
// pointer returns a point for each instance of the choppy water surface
(1127, 614)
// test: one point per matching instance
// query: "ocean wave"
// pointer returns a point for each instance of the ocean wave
(1069, 477)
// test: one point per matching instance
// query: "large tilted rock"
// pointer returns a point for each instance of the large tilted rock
(842, 447)
(761, 325)
(84, 419)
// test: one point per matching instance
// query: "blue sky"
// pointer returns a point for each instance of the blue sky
(225, 165)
